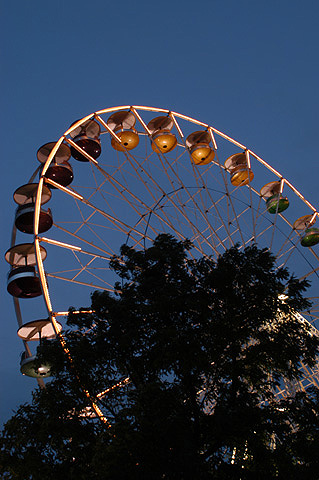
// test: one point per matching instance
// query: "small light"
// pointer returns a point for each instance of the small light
(283, 297)
(42, 370)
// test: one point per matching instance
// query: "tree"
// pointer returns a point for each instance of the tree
(202, 344)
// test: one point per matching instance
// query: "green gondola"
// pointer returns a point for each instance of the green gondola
(311, 237)
(31, 367)
(277, 203)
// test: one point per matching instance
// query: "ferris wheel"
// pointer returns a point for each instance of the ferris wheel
(125, 175)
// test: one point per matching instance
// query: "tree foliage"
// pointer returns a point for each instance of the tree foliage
(205, 344)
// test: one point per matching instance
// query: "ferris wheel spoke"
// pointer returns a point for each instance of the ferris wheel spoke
(90, 285)
(311, 375)
(312, 318)
(172, 223)
(197, 233)
(74, 248)
(120, 188)
(198, 207)
(260, 234)
(214, 207)
(313, 298)
(201, 185)
(259, 212)
(289, 239)
(124, 227)
(84, 220)
(294, 249)
(311, 272)
(98, 277)
(84, 267)
(64, 272)
(274, 229)
(80, 150)
(176, 192)
(176, 163)
(148, 189)
(178, 207)
(286, 255)
(314, 253)
(230, 204)
(59, 227)
(98, 185)
(250, 222)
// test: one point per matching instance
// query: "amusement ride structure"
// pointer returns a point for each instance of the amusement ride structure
(124, 175)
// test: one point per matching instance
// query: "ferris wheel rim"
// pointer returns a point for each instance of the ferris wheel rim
(176, 118)
(134, 109)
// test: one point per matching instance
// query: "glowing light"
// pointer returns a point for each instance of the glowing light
(117, 385)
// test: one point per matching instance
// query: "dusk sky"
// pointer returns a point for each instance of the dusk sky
(248, 68)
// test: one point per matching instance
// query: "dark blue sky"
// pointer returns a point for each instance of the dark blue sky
(248, 68)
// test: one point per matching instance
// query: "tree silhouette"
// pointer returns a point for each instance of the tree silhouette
(200, 346)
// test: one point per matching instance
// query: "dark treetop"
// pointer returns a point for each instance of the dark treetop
(204, 344)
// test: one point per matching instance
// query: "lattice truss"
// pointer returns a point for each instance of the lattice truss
(130, 195)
